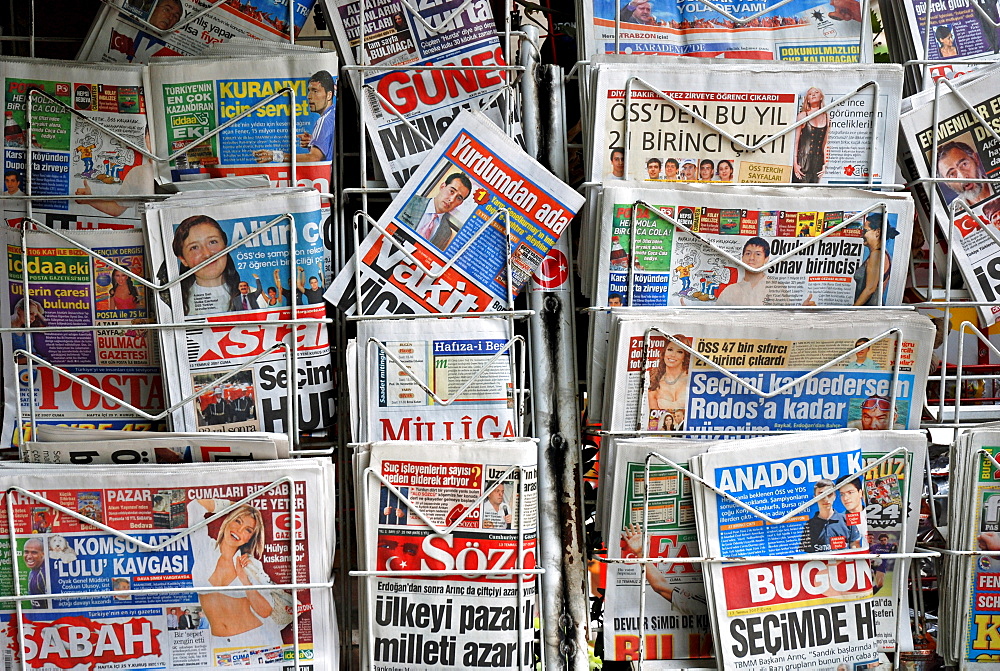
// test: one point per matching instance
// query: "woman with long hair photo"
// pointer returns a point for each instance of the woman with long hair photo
(214, 288)
(866, 277)
(812, 147)
(123, 295)
(668, 383)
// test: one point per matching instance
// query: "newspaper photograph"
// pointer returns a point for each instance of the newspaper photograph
(245, 547)
(127, 31)
(230, 302)
(751, 102)
(68, 287)
(464, 362)
(453, 210)
(958, 34)
(455, 506)
(813, 613)
(805, 30)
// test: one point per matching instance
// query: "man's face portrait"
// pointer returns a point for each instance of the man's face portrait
(826, 503)
(850, 496)
(166, 14)
(690, 172)
(313, 283)
(643, 12)
(754, 256)
(618, 163)
(615, 302)
(12, 182)
(670, 170)
(496, 496)
(956, 164)
(319, 98)
(450, 196)
(653, 169)
(706, 171)
(34, 554)
(244, 288)
(875, 414)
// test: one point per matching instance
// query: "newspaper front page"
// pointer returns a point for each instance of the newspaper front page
(455, 506)
(69, 288)
(807, 614)
(242, 547)
(752, 103)
(473, 174)
(252, 285)
(957, 32)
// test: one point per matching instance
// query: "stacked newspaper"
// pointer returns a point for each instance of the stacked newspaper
(466, 232)
(101, 578)
(450, 379)
(241, 266)
(738, 371)
(462, 513)
(406, 109)
(137, 30)
(814, 610)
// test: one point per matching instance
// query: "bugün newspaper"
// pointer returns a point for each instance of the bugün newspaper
(447, 356)
(68, 287)
(453, 507)
(850, 143)
(802, 614)
(474, 173)
(135, 31)
(229, 303)
(669, 389)
(230, 616)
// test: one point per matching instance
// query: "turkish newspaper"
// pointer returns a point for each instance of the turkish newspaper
(966, 151)
(802, 614)
(741, 357)
(474, 176)
(406, 110)
(70, 156)
(229, 306)
(466, 363)
(957, 32)
(209, 446)
(242, 559)
(202, 448)
(468, 510)
(133, 31)
(67, 287)
(675, 622)
(814, 31)
(853, 142)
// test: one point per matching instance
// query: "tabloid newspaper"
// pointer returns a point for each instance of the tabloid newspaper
(804, 614)
(958, 32)
(450, 33)
(155, 450)
(448, 356)
(752, 102)
(69, 155)
(454, 506)
(473, 173)
(136, 30)
(245, 545)
(676, 624)
(803, 30)
(65, 434)
(966, 151)
(766, 349)
(234, 298)
(68, 287)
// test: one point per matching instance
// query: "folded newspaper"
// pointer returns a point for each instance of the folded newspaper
(447, 247)
(217, 534)
(232, 358)
(467, 511)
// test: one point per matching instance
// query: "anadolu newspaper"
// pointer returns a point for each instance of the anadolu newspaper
(457, 506)
(446, 356)
(670, 389)
(473, 173)
(676, 624)
(245, 545)
(70, 156)
(233, 299)
(752, 102)
(68, 287)
(965, 151)
(118, 36)
(450, 33)
(805, 30)
(808, 614)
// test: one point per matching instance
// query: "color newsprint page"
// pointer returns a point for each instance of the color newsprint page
(967, 152)
(68, 287)
(474, 175)
(237, 611)
(134, 31)
(71, 156)
(803, 30)
(675, 622)
(669, 389)
(806, 614)
(407, 110)
(468, 510)
(465, 362)
(957, 32)
(229, 303)
(849, 143)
